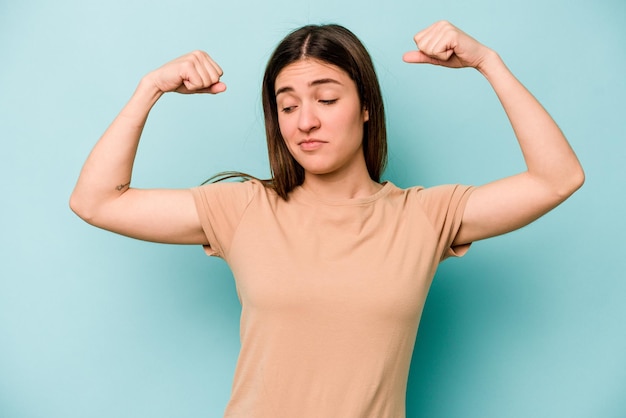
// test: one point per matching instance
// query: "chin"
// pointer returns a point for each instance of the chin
(317, 169)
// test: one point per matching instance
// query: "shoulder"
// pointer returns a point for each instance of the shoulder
(440, 193)
(230, 197)
(430, 195)
(437, 202)
(231, 189)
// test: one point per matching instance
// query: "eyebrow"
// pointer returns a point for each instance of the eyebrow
(313, 83)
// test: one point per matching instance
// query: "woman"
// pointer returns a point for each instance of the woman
(332, 266)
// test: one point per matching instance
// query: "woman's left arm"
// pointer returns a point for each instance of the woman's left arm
(553, 172)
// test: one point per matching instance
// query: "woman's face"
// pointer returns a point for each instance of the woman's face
(321, 117)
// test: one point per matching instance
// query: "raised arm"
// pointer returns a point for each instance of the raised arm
(103, 195)
(553, 172)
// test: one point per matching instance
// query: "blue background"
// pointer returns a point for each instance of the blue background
(96, 325)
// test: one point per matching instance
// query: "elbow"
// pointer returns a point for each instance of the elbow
(80, 207)
(573, 181)
(580, 178)
(577, 178)
(76, 206)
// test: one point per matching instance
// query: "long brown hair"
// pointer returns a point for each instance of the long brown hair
(338, 46)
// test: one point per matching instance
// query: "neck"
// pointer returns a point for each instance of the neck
(331, 187)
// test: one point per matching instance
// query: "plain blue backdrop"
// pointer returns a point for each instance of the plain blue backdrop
(531, 324)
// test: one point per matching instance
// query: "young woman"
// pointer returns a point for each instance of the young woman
(332, 266)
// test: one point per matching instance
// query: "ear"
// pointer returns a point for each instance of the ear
(366, 115)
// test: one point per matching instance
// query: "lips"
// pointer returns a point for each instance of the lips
(311, 144)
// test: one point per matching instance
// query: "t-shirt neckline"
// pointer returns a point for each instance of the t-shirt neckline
(301, 193)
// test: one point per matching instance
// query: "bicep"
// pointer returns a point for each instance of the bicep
(158, 215)
(503, 206)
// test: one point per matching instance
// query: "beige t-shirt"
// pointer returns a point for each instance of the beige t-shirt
(331, 292)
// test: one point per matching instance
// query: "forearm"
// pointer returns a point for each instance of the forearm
(107, 171)
(548, 156)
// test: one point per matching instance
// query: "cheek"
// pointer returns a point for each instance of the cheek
(350, 122)
(284, 127)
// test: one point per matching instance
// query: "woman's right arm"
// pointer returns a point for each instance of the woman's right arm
(103, 196)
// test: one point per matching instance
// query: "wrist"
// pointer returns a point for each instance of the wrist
(141, 102)
(490, 64)
(149, 87)
(147, 93)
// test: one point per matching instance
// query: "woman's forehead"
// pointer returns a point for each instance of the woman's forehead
(309, 71)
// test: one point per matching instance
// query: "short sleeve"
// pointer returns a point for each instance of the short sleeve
(444, 206)
(220, 208)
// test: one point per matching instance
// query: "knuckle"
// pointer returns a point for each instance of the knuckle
(197, 55)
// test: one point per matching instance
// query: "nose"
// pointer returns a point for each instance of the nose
(307, 119)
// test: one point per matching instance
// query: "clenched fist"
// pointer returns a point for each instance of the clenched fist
(444, 44)
(195, 72)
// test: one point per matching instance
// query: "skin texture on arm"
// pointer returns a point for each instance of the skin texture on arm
(553, 170)
(103, 196)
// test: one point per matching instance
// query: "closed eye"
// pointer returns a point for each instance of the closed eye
(288, 109)
(328, 102)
